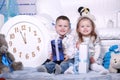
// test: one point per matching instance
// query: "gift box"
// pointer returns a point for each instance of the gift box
(57, 50)
(84, 58)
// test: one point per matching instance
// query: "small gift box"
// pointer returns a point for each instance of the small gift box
(84, 58)
(57, 50)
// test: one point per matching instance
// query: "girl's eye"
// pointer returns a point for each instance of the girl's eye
(65, 26)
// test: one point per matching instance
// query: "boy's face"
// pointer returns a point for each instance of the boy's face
(62, 27)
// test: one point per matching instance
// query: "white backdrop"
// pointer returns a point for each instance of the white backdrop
(46, 11)
(104, 10)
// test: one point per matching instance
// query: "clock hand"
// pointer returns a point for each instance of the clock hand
(24, 38)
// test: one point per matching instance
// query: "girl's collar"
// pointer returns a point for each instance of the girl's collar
(85, 37)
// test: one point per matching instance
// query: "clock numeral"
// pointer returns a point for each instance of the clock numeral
(12, 36)
(16, 30)
(14, 50)
(27, 56)
(33, 54)
(20, 54)
(10, 43)
(23, 27)
(35, 33)
(39, 40)
(38, 48)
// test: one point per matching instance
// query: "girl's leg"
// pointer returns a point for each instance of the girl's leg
(98, 68)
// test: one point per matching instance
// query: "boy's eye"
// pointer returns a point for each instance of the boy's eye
(82, 26)
(60, 25)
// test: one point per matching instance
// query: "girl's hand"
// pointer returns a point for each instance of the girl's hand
(92, 60)
(77, 44)
(66, 57)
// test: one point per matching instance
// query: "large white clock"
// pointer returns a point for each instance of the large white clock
(27, 38)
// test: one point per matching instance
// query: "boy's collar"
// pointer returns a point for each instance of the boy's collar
(62, 37)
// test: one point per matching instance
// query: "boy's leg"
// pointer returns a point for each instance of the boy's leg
(42, 68)
(69, 70)
(48, 60)
(65, 65)
(57, 69)
(50, 66)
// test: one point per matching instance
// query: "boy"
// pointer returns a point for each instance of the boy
(62, 28)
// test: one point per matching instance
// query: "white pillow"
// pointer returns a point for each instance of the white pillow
(109, 33)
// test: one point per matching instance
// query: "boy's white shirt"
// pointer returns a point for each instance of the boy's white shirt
(68, 45)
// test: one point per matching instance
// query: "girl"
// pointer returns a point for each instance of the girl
(86, 34)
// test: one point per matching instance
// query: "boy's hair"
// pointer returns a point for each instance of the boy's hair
(63, 18)
(92, 34)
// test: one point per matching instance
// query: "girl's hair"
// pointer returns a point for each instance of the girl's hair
(93, 34)
(63, 18)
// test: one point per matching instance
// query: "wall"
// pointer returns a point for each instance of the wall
(27, 7)
(104, 10)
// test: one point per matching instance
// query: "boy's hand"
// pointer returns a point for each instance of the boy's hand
(51, 57)
(92, 60)
(66, 57)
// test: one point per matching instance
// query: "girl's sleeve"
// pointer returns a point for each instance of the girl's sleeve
(97, 45)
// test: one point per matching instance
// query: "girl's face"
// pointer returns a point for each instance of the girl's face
(62, 27)
(85, 27)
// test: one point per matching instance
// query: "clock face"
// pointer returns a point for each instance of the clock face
(26, 40)
(24, 35)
